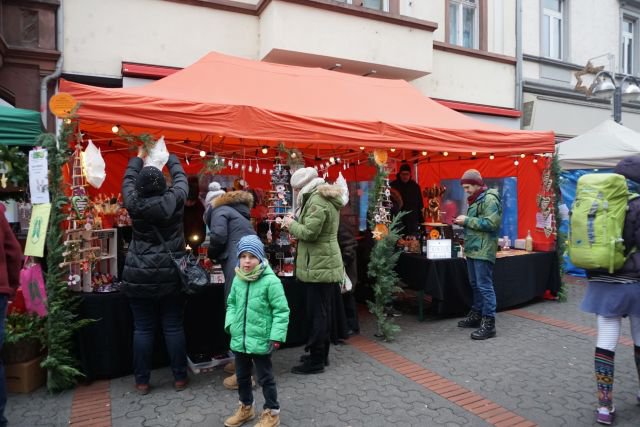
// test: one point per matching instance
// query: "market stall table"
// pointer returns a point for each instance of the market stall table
(105, 348)
(519, 277)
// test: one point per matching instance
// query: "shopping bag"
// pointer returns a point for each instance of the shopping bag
(342, 183)
(33, 290)
(346, 284)
(94, 165)
(157, 155)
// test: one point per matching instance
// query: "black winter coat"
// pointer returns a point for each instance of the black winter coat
(411, 203)
(348, 246)
(149, 271)
(229, 219)
(631, 236)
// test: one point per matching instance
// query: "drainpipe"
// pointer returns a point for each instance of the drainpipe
(519, 88)
(56, 73)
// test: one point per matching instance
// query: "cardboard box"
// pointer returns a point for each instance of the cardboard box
(26, 376)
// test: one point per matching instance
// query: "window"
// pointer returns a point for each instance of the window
(464, 23)
(628, 44)
(382, 5)
(552, 28)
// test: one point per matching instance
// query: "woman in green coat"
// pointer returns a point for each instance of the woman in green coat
(318, 260)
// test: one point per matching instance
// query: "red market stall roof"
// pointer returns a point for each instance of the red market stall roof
(252, 103)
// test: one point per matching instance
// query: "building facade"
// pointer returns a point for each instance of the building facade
(559, 38)
(460, 52)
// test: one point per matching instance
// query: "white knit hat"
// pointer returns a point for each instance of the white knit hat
(302, 177)
(214, 191)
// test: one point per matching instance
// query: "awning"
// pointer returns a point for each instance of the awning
(19, 127)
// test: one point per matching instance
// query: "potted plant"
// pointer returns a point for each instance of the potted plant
(24, 337)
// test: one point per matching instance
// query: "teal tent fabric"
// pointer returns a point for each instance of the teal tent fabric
(19, 127)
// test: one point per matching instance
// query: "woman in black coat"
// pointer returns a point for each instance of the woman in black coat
(150, 277)
(229, 219)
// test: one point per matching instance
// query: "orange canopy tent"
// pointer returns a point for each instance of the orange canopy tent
(251, 103)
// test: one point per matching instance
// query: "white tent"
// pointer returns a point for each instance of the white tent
(601, 147)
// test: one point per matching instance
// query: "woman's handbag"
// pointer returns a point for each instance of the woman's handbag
(193, 277)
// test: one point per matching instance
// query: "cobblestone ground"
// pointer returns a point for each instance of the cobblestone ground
(540, 372)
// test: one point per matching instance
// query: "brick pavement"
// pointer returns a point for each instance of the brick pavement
(537, 371)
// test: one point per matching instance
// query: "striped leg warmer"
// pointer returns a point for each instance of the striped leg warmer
(604, 376)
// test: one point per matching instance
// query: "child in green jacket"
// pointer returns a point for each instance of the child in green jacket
(257, 319)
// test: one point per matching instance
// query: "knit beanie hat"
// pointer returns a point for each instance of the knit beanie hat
(150, 182)
(253, 245)
(214, 191)
(302, 177)
(630, 168)
(405, 168)
(473, 177)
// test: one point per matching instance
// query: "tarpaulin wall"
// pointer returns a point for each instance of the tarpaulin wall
(527, 174)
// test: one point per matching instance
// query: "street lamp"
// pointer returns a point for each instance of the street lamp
(604, 86)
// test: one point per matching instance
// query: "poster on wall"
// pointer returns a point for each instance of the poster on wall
(38, 176)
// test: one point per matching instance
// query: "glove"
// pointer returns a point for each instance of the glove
(273, 346)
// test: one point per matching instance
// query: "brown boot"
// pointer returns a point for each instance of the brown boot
(269, 419)
(230, 368)
(243, 414)
(231, 382)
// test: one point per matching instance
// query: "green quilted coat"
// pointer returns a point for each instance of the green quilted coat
(257, 312)
(318, 253)
(482, 226)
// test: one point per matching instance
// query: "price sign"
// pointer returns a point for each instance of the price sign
(439, 249)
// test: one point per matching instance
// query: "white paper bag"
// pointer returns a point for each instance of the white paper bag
(344, 187)
(158, 155)
(94, 165)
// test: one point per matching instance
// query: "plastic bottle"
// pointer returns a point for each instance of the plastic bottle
(528, 242)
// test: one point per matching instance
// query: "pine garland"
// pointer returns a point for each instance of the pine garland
(374, 193)
(62, 305)
(382, 264)
(561, 237)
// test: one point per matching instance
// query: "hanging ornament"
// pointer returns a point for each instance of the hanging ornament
(380, 157)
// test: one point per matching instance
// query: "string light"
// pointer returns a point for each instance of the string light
(393, 150)
(265, 149)
(115, 128)
(202, 153)
(446, 153)
(361, 147)
(424, 153)
(293, 155)
(491, 156)
(522, 156)
(535, 160)
(473, 153)
(67, 121)
(516, 162)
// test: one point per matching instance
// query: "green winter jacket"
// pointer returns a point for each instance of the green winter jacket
(482, 225)
(318, 254)
(257, 312)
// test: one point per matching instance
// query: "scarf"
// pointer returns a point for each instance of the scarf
(305, 190)
(472, 198)
(253, 275)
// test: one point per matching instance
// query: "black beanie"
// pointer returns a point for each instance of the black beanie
(150, 182)
(405, 167)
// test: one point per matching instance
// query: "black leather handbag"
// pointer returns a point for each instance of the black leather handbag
(193, 277)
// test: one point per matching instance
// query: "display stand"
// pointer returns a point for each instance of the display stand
(279, 249)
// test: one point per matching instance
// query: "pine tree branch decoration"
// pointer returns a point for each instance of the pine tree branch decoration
(61, 320)
(384, 257)
(561, 237)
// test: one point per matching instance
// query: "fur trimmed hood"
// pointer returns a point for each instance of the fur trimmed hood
(332, 193)
(233, 198)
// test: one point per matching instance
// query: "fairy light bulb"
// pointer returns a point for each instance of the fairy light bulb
(446, 153)
(115, 128)
(332, 160)
(516, 162)
(67, 121)
(361, 147)
(535, 160)
(337, 159)
(202, 153)
(393, 150)
(491, 156)
(424, 153)
(473, 153)
(522, 156)
(294, 155)
(265, 149)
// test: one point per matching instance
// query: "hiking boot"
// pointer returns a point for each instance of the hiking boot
(180, 385)
(605, 415)
(230, 368)
(143, 389)
(306, 357)
(243, 414)
(472, 320)
(231, 382)
(269, 418)
(487, 329)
